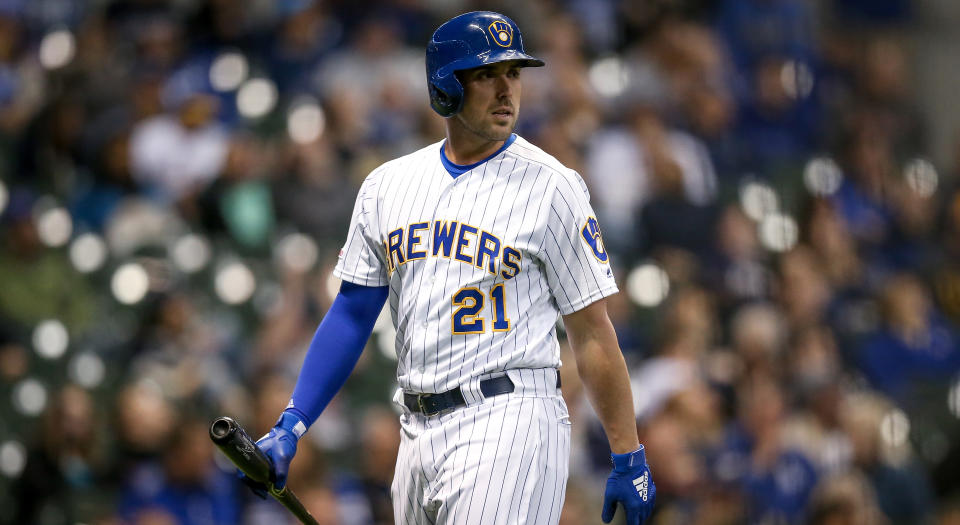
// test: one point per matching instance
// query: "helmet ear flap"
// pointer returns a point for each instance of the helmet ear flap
(447, 102)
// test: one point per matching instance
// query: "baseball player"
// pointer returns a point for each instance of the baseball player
(479, 242)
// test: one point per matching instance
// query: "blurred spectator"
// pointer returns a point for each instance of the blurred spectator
(649, 162)
(145, 421)
(366, 498)
(22, 85)
(804, 291)
(757, 335)
(737, 271)
(175, 155)
(372, 89)
(863, 197)
(776, 481)
(97, 200)
(914, 345)
(306, 34)
(67, 464)
(185, 485)
(37, 283)
(903, 493)
(844, 500)
(836, 249)
(314, 192)
(773, 46)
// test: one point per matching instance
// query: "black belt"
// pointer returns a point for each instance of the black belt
(432, 404)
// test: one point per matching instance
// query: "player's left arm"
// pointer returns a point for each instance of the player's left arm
(604, 374)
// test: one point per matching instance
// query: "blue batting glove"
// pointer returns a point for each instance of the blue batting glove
(631, 485)
(280, 444)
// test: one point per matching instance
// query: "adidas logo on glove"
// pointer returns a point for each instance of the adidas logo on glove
(641, 485)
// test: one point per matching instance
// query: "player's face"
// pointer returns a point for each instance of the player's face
(491, 100)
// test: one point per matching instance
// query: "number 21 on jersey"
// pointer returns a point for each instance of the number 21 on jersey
(468, 316)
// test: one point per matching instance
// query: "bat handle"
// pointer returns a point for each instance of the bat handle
(289, 500)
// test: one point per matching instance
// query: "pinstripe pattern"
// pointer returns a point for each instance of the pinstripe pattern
(502, 460)
(499, 462)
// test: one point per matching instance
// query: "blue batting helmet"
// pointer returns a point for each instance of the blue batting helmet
(465, 42)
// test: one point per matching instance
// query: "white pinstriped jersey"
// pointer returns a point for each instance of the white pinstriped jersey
(480, 265)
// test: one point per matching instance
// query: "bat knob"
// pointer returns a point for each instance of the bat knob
(222, 428)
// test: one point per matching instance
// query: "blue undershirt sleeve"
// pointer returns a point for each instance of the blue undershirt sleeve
(335, 349)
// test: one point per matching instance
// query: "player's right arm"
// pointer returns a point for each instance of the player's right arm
(334, 351)
(341, 336)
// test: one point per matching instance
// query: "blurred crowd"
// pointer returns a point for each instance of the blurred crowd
(176, 177)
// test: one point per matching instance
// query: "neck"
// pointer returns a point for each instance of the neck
(466, 147)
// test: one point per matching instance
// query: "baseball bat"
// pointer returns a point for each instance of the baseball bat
(236, 444)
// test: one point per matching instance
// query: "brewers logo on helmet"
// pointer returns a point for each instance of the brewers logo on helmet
(502, 33)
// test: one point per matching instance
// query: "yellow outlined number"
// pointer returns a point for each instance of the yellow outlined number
(466, 318)
(470, 302)
(500, 321)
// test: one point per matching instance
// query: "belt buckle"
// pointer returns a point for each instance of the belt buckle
(423, 409)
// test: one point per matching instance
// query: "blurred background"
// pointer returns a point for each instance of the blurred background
(778, 182)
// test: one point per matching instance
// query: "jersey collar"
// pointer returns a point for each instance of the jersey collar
(455, 170)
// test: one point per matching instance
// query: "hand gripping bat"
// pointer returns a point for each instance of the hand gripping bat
(236, 444)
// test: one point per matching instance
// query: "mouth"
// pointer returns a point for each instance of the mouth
(503, 112)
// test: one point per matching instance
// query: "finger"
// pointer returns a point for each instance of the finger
(281, 464)
(609, 508)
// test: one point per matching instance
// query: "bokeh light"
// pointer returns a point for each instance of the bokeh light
(50, 339)
(57, 49)
(13, 458)
(953, 399)
(922, 177)
(778, 232)
(29, 397)
(797, 79)
(235, 283)
(268, 298)
(54, 227)
(297, 252)
(305, 122)
(822, 177)
(609, 77)
(758, 200)
(87, 369)
(88, 252)
(256, 98)
(4, 197)
(191, 253)
(228, 71)
(895, 428)
(130, 283)
(648, 285)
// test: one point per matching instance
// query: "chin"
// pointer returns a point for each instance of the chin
(500, 132)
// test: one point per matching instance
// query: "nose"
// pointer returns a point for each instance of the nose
(503, 85)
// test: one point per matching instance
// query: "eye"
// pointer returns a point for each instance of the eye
(514, 72)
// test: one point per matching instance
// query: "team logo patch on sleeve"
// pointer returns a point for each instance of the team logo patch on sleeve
(501, 32)
(591, 234)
